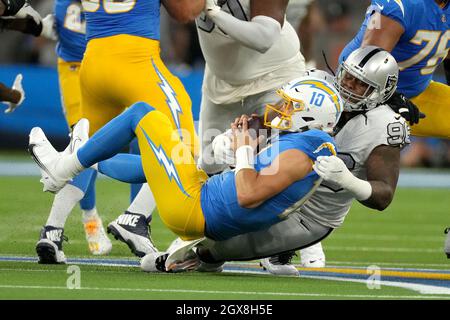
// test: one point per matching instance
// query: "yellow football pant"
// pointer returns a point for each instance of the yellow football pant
(435, 103)
(121, 70)
(172, 175)
(69, 85)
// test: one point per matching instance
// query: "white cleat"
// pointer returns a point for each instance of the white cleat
(154, 262)
(181, 256)
(280, 265)
(50, 161)
(313, 256)
(98, 241)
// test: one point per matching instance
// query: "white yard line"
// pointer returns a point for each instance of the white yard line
(249, 293)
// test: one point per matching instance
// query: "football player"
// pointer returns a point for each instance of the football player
(250, 50)
(369, 137)
(261, 191)
(417, 33)
(122, 66)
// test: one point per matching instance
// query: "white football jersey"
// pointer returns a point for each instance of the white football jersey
(234, 71)
(355, 141)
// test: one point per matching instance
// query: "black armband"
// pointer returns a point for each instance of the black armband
(12, 6)
(447, 70)
(26, 25)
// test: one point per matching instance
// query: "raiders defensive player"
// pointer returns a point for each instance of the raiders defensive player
(369, 138)
(250, 51)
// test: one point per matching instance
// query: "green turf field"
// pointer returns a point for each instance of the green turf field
(409, 235)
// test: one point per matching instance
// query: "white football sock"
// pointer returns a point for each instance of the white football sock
(63, 204)
(69, 166)
(144, 203)
(89, 214)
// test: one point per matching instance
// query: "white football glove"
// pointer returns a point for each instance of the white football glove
(49, 27)
(211, 8)
(16, 86)
(223, 153)
(333, 169)
(27, 10)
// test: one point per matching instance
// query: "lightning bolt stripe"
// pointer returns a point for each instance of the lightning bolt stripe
(171, 99)
(325, 87)
(167, 163)
(326, 145)
(400, 4)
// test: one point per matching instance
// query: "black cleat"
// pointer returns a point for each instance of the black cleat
(134, 230)
(49, 246)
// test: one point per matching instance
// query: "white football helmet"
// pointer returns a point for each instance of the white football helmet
(370, 67)
(307, 103)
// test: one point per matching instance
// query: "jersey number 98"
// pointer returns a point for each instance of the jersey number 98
(110, 6)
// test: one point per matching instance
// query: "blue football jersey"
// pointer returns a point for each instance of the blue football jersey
(133, 17)
(71, 29)
(423, 45)
(225, 218)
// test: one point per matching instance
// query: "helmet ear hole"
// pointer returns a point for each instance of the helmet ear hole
(308, 119)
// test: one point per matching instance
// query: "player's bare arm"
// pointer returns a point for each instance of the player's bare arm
(383, 167)
(383, 33)
(8, 94)
(253, 187)
(184, 11)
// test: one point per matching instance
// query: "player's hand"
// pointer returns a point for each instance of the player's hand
(49, 28)
(241, 135)
(403, 106)
(18, 87)
(27, 10)
(333, 169)
(211, 8)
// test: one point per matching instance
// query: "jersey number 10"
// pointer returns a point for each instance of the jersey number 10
(110, 6)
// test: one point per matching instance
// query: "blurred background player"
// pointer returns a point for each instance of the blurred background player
(417, 33)
(369, 138)
(250, 50)
(122, 66)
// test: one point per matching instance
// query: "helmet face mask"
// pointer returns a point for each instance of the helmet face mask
(307, 103)
(367, 78)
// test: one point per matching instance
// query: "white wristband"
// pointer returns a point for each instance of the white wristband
(245, 159)
(361, 189)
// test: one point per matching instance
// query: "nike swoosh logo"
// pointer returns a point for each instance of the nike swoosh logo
(38, 162)
(380, 6)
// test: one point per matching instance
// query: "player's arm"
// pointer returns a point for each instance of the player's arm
(261, 32)
(253, 187)
(9, 95)
(377, 192)
(30, 25)
(382, 32)
(184, 11)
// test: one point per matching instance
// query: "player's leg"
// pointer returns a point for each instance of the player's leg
(434, 103)
(75, 191)
(294, 233)
(168, 164)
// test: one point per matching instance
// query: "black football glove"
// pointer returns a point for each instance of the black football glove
(403, 106)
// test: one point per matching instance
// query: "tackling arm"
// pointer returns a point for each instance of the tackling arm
(184, 11)
(9, 95)
(383, 167)
(267, 18)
